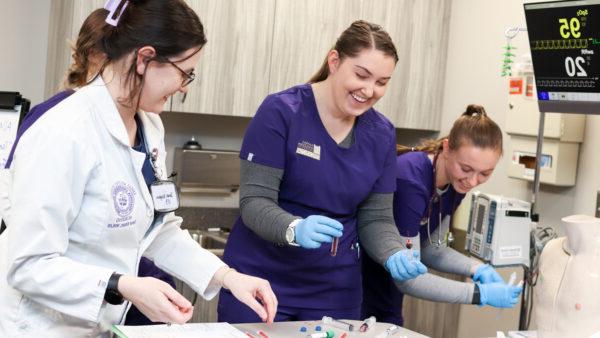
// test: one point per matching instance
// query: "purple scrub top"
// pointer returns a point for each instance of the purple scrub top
(33, 115)
(414, 181)
(320, 178)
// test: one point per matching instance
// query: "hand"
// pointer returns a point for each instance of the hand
(315, 229)
(499, 294)
(156, 299)
(402, 266)
(250, 290)
(486, 274)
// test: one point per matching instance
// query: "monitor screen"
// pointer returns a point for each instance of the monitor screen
(565, 50)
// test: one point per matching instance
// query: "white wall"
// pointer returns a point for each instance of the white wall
(24, 41)
(473, 76)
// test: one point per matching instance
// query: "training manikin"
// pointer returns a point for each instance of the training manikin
(567, 295)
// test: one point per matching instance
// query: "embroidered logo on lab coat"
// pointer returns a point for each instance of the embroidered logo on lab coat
(123, 196)
(309, 150)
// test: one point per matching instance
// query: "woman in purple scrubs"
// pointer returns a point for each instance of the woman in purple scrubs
(318, 165)
(435, 176)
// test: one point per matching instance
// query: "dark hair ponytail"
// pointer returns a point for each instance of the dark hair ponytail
(473, 127)
(87, 51)
(359, 36)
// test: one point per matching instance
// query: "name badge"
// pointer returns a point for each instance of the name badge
(309, 150)
(164, 195)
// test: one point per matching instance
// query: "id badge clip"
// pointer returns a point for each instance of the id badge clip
(164, 195)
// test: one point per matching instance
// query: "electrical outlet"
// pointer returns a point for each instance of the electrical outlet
(598, 204)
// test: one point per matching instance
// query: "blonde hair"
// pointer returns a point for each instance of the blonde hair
(473, 127)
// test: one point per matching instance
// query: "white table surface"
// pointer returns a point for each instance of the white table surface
(292, 329)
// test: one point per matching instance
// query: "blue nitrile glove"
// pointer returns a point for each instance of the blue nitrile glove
(315, 229)
(402, 267)
(499, 294)
(486, 274)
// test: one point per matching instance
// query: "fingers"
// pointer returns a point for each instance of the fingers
(321, 238)
(269, 300)
(179, 310)
(421, 268)
(252, 303)
(332, 223)
(329, 230)
(176, 298)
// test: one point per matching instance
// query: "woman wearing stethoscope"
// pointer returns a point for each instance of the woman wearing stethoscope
(431, 182)
(89, 195)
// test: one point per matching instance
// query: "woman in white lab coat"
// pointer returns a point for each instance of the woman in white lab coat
(82, 213)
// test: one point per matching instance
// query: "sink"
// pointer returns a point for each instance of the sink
(213, 241)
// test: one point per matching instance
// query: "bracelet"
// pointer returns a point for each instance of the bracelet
(225, 275)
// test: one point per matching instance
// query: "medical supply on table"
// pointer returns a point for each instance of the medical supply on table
(249, 335)
(328, 334)
(318, 328)
(390, 331)
(367, 324)
(262, 334)
(338, 323)
(303, 329)
(334, 246)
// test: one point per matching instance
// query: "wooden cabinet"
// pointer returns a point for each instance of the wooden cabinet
(257, 47)
(419, 30)
(306, 30)
(232, 77)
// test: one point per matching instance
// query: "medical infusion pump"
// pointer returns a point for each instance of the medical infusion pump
(498, 229)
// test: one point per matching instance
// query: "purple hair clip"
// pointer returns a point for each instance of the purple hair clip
(112, 6)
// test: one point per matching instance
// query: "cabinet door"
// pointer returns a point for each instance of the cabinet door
(232, 76)
(419, 30)
(304, 32)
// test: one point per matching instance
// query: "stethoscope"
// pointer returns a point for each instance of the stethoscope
(436, 197)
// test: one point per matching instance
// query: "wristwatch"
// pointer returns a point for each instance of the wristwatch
(112, 294)
(476, 295)
(290, 233)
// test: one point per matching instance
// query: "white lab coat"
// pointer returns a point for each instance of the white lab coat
(79, 210)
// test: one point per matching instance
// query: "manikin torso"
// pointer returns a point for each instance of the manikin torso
(567, 295)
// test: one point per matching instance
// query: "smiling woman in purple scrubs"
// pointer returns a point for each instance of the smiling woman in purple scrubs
(435, 176)
(318, 165)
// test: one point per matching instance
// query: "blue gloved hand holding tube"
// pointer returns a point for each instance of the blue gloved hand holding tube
(486, 274)
(499, 294)
(405, 264)
(314, 230)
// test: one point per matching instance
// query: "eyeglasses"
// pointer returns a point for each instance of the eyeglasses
(187, 77)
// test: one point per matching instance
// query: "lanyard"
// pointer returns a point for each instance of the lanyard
(163, 191)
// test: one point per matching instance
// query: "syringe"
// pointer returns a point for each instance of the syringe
(338, 323)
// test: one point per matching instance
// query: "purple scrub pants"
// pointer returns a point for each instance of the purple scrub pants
(233, 311)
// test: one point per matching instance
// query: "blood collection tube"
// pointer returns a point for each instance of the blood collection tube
(367, 324)
(334, 246)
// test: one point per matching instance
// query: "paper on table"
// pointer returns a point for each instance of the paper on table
(196, 330)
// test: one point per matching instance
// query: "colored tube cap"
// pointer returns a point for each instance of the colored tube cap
(318, 328)
(303, 329)
(330, 334)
